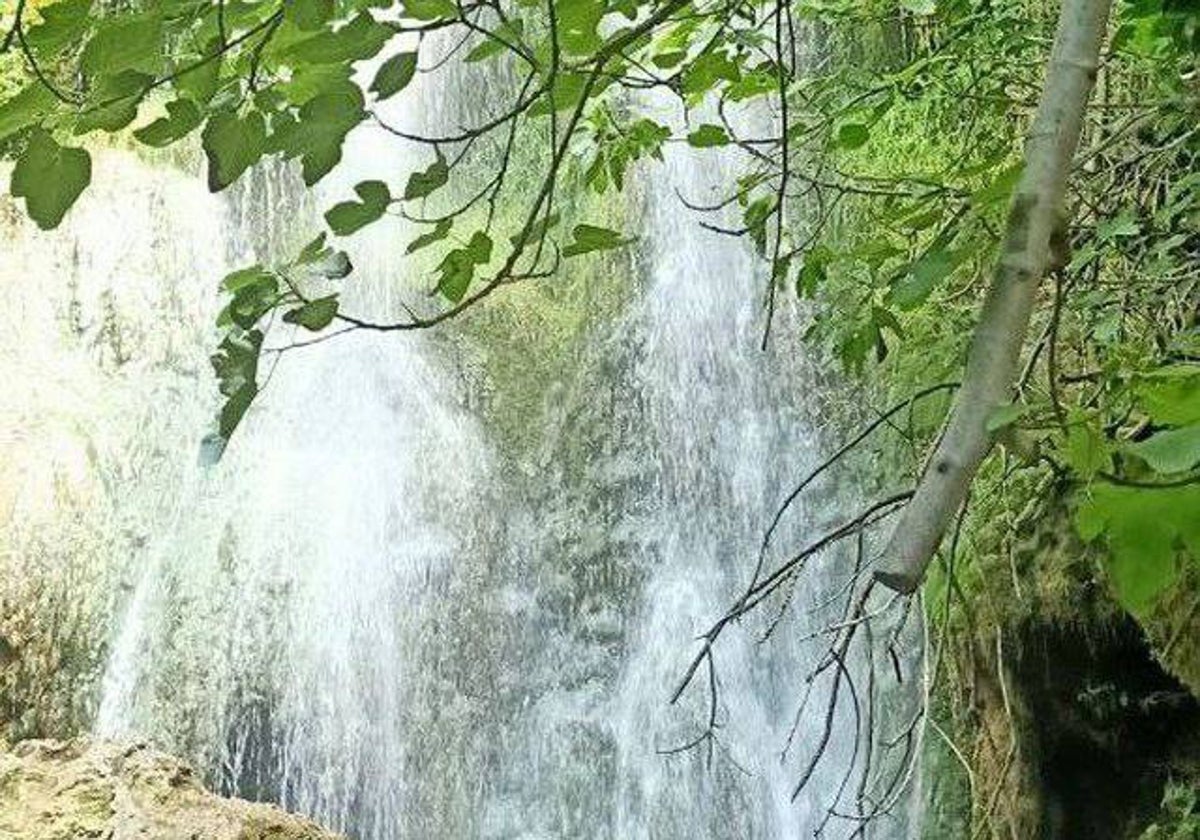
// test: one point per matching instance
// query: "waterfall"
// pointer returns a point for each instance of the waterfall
(358, 614)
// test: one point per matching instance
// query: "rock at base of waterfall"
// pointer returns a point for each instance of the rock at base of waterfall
(53, 790)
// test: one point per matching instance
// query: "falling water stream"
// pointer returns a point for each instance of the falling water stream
(356, 613)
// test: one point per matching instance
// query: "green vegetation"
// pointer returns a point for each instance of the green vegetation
(892, 180)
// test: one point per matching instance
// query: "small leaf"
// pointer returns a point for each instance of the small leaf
(457, 268)
(590, 238)
(430, 9)
(422, 184)
(853, 135)
(394, 75)
(439, 232)
(1085, 449)
(315, 315)
(350, 216)
(50, 178)
(183, 117)
(1005, 416)
(916, 284)
(999, 190)
(707, 136)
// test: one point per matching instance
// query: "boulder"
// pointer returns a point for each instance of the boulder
(83, 789)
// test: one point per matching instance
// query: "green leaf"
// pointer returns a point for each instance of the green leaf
(422, 184)
(1146, 531)
(708, 135)
(255, 293)
(63, 23)
(126, 42)
(319, 261)
(439, 232)
(1085, 449)
(589, 238)
(813, 271)
(316, 137)
(1005, 416)
(232, 144)
(183, 117)
(394, 75)
(114, 102)
(50, 178)
(708, 71)
(1171, 450)
(308, 15)
(457, 268)
(27, 108)
(236, 366)
(852, 135)
(916, 285)
(1121, 226)
(999, 190)
(430, 9)
(578, 25)
(360, 39)
(315, 315)
(350, 216)
(1171, 394)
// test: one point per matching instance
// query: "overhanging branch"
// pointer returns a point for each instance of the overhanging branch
(993, 361)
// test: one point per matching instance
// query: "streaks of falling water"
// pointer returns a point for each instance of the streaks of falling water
(338, 617)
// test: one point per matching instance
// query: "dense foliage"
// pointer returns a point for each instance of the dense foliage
(881, 142)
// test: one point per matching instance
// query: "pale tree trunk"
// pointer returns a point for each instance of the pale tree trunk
(992, 364)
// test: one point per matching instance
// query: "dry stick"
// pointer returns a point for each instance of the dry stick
(992, 366)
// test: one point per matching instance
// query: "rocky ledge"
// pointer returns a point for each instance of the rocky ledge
(83, 789)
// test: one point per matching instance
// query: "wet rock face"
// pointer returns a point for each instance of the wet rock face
(83, 789)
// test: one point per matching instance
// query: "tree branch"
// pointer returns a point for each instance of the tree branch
(992, 365)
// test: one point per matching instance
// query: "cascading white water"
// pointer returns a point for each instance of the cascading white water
(353, 614)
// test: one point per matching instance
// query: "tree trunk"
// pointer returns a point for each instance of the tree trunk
(992, 364)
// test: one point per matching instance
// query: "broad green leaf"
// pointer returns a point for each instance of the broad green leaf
(232, 144)
(458, 267)
(27, 108)
(999, 190)
(308, 15)
(1005, 416)
(813, 272)
(183, 117)
(708, 135)
(1147, 532)
(588, 238)
(126, 42)
(50, 178)
(1171, 450)
(578, 23)
(440, 231)
(319, 261)
(923, 276)
(63, 23)
(1171, 394)
(1085, 449)
(394, 75)
(427, 10)
(236, 366)
(360, 39)
(852, 135)
(421, 184)
(350, 216)
(315, 315)
(114, 103)
(316, 137)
